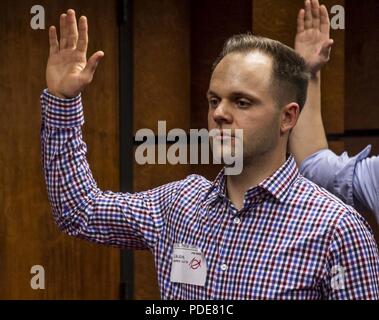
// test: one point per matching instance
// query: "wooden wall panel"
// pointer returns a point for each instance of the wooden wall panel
(28, 236)
(276, 19)
(337, 146)
(362, 64)
(161, 92)
(161, 62)
(212, 22)
(332, 83)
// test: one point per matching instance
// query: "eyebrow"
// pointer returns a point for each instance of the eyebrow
(210, 93)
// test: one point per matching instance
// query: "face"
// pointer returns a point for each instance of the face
(240, 97)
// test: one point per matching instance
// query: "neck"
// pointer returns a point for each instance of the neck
(252, 174)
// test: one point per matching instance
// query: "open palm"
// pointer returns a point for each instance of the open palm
(312, 40)
(68, 72)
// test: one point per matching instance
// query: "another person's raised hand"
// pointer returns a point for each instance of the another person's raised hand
(312, 40)
(68, 72)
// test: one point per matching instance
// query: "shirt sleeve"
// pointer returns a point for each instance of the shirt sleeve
(340, 174)
(366, 184)
(352, 267)
(79, 207)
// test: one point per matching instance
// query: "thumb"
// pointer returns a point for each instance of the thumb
(91, 66)
(325, 49)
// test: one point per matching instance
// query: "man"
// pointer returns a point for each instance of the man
(353, 179)
(267, 233)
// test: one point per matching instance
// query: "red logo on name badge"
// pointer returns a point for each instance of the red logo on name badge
(195, 264)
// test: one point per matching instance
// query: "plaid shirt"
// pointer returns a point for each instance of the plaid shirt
(291, 240)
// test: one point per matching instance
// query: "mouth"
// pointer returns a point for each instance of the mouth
(224, 137)
(226, 133)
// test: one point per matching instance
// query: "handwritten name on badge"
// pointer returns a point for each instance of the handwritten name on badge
(188, 265)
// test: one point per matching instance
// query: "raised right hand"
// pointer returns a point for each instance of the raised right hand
(68, 72)
(312, 40)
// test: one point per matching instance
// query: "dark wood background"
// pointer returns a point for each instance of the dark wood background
(74, 269)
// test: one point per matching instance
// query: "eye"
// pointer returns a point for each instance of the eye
(243, 103)
(213, 102)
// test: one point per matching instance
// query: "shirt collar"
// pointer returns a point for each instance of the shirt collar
(277, 185)
(217, 189)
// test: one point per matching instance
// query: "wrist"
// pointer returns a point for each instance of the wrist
(58, 95)
(315, 76)
(62, 113)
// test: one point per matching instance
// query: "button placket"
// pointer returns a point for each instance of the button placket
(223, 245)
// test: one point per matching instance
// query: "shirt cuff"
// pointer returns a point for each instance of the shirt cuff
(344, 182)
(61, 113)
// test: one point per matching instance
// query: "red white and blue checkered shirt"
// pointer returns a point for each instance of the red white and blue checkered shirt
(290, 240)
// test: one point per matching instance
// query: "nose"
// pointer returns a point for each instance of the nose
(222, 113)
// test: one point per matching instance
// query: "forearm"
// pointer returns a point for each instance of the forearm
(69, 181)
(308, 136)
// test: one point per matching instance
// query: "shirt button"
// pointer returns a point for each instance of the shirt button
(224, 267)
(237, 220)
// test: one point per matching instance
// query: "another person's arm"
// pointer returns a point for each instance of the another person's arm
(312, 42)
(80, 208)
(355, 179)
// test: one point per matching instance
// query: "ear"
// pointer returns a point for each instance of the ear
(290, 114)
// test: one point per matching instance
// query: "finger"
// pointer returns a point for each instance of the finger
(53, 40)
(308, 15)
(324, 20)
(83, 35)
(63, 32)
(300, 21)
(315, 7)
(72, 29)
(91, 66)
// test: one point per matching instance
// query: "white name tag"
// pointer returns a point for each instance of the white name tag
(188, 265)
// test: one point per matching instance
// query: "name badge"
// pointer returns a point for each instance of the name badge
(188, 265)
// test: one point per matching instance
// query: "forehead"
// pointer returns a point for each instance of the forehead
(243, 71)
